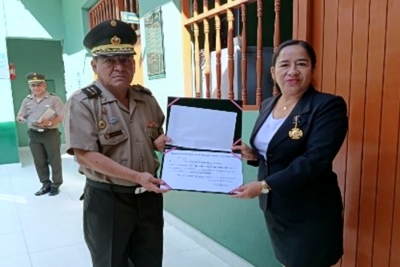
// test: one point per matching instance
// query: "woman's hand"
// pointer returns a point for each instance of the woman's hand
(247, 191)
(246, 151)
(159, 142)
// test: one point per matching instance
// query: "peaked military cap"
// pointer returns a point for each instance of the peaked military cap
(111, 37)
(35, 77)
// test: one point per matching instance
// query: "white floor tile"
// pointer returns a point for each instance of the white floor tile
(16, 261)
(12, 244)
(75, 255)
(44, 238)
(175, 241)
(10, 223)
(194, 258)
(7, 204)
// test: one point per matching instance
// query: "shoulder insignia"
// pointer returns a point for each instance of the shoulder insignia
(28, 96)
(141, 89)
(51, 93)
(91, 91)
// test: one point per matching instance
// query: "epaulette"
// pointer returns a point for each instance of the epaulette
(28, 96)
(91, 91)
(141, 89)
(51, 93)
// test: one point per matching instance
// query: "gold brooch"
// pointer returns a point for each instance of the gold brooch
(115, 40)
(296, 133)
(113, 23)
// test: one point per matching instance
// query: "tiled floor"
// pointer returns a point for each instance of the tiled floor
(47, 231)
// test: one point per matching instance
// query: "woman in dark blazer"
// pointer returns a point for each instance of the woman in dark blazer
(294, 142)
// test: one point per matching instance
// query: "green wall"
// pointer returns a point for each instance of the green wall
(8, 143)
(234, 223)
(44, 56)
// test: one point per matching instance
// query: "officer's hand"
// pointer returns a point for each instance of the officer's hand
(152, 184)
(159, 142)
(246, 151)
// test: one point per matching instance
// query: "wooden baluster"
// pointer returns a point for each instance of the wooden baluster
(103, 12)
(126, 3)
(97, 15)
(277, 36)
(112, 8)
(218, 50)
(196, 52)
(131, 9)
(259, 51)
(119, 5)
(244, 54)
(91, 19)
(231, 66)
(107, 8)
(96, 20)
(206, 50)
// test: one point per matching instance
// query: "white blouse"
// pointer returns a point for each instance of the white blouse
(266, 132)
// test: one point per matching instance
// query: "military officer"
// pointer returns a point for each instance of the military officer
(43, 112)
(113, 129)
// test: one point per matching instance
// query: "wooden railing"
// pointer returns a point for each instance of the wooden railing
(111, 9)
(199, 25)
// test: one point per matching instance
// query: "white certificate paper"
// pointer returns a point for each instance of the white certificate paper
(216, 172)
(201, 157)
(200, 128)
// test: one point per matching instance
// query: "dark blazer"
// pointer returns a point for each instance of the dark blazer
(304, 187)
(304, 166)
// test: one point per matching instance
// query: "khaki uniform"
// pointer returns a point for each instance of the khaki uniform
(44, 143)
(102, 124)
(116, 219)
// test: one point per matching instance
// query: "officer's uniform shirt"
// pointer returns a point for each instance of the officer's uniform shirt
(100, 123)
(31, 109)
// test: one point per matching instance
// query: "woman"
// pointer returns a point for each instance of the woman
(294, 141)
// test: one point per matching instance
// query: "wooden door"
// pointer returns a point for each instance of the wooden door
(358, 48)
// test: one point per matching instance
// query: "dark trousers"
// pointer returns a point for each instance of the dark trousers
(123, 228)
(45, 149)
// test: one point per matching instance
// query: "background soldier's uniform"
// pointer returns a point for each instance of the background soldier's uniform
(44, 143)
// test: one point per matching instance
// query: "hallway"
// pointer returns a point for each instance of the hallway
(47, 231)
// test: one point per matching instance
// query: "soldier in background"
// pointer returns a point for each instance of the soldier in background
(43, 112)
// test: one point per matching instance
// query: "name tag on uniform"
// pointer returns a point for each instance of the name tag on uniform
(111, 135)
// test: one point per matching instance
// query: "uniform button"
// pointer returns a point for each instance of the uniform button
(137, 139)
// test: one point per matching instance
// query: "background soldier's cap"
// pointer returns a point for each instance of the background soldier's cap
(35, 77)
(111, 37)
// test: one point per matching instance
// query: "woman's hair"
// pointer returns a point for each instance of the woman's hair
(309, 50)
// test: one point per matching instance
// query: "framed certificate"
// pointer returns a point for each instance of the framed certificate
(199, 156)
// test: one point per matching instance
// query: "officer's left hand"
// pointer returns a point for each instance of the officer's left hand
(250, 190)
(159, 142)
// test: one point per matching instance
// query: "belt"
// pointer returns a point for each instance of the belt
(42, 130)
(116, 188)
